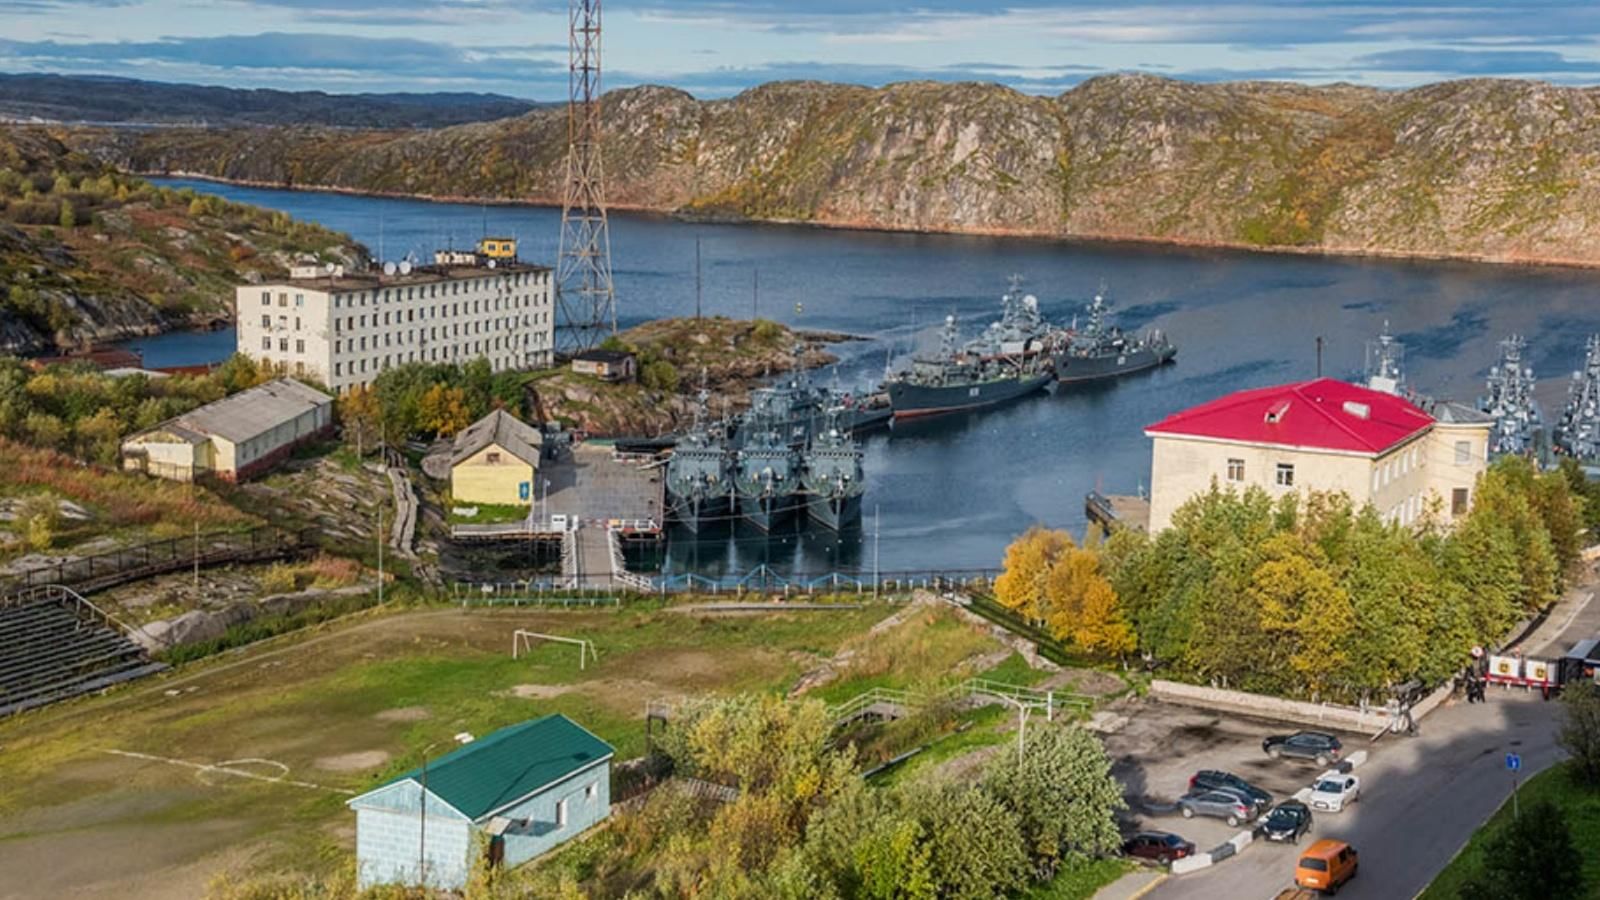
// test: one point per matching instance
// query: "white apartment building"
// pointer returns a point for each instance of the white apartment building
(344, 329)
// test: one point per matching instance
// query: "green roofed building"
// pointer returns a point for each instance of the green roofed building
(528, 788)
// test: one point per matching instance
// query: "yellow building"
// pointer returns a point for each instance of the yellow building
(498, 247)
(494, 461)
(1322, 435)
(233, 438)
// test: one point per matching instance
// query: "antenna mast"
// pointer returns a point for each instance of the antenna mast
(585, 297)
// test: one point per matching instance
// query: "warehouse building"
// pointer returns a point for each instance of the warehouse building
(233, 438)
(494, 461)
(344, 329)
(1322, 435)
(527, 788)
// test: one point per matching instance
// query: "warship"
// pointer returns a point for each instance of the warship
(1509, 401)
(766, 479)
(1577, 434)
(699, 474)
(1099, 350)
(958, 379)
(833, 478)
(1386, 365)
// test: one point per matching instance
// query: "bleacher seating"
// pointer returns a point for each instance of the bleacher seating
(54, 645)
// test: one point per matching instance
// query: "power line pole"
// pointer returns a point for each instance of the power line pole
(877, 530)
(380, 552)
(697, 280)
(585, 296)
(755, 294)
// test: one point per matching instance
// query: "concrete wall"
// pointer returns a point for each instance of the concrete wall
(165, 457)
(1344, 718)
(477, 480)
(390, 840)
(535, 831)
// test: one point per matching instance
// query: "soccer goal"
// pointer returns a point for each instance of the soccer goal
(523, 642)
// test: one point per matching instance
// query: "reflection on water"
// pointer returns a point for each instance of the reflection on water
(952, 492)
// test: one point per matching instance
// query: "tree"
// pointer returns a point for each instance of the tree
(100, 435)
(443, 410)
(975, 844)
(1023, 585)
(1532, 857)
(39, 515)
(659, 375)
(1082, 607)
(68, 217)
(1061, 790)
(359, 414)
(1580, 731)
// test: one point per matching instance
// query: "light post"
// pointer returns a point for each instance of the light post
(1022, 721)
(422, 820)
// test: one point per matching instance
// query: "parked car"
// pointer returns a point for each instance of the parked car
(1212, 778)
(1324, 748)
(1217, 802)
(1333, 790)
(1326, 866)
(1287, 822)
(1161, 846)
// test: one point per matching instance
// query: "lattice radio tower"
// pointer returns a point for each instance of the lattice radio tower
(585, 296)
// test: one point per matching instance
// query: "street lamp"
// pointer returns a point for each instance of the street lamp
(1022, 721)
(422, 819)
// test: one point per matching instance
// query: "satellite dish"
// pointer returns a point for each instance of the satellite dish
(405, 267)
(388, 268)
(330, 267)
(491, 263)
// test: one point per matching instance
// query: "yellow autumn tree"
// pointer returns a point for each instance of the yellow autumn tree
(359, 415)
(1021, 587)
(443, 410)
(1081, 606)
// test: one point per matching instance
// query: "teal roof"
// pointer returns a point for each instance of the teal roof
(503, 767)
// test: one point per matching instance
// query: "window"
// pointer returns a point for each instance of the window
(1463, 452)
(1458, 502)
(266, 342)
(493, 459)
(590, 792)
(1285, 476)
(561, 813)
(299, 299)
(266, 321)
(283, 299)
(1235, 470)
(283, 344)
(299, 346)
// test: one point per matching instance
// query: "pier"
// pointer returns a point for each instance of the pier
(1111, 511)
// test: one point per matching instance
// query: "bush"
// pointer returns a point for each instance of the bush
(660, 375)
(1531, 858)
(1580, 731)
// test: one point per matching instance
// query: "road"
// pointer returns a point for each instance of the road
(1421, 797)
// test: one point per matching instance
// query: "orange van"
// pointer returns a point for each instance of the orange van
(1326, 866)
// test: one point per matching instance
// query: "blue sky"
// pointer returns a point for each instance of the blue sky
(719, 47)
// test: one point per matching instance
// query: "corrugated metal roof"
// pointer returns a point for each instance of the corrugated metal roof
(251, 412)
(1324, 414)
(513, 435)
(504, 767)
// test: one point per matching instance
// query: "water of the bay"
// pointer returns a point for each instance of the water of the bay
(952, 492)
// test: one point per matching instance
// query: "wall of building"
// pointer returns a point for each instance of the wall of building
(344, 336)
(390, 840)
(535, 830)
(477, 480)
(1447, 446)
(165, 457)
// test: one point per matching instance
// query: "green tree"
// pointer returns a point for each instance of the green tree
(44, 430)
(68, 216)
(1532, 857)
(1061, 790)
(659, 375)
(975, 843)
(39, 515)
(100, 436)
(443, 410)
(1580, 731)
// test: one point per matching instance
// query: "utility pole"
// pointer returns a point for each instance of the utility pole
(1319, 356)
(197, 559)
(380, 552)
(585, 296)
(697, 280)
(877, 530)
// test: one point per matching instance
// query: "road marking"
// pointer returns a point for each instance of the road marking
(223, 768)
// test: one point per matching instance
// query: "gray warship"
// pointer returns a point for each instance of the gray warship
(833, 478)
(1100, 350)
(1577, 434)
(700, 474)
(1509, 400)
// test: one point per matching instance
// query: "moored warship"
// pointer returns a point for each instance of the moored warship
(833, 478)
(957, 379)
(1577, 434)
(766, 479)
(1509, 400)
(699, 474)
(1099, 350)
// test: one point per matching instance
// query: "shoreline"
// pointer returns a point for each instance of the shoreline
(1096, 238)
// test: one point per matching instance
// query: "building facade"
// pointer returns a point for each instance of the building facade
(606, 365)
(1322, 435)
(233, 438)
(343, 330)
(527, 789)
(495, 460)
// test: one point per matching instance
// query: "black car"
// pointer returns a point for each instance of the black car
(1287, 822)
(1324, 748)
(1160, 846)
(1212, 778)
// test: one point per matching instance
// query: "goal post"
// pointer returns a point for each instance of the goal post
(522, 641)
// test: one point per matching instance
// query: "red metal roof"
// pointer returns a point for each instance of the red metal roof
(1325, 414)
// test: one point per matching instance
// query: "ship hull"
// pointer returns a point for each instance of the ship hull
(913, 400)
(767, 512)
(834, 513)
(699, 513)
(1079, 369)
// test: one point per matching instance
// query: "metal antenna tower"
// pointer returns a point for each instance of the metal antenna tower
(585, 298)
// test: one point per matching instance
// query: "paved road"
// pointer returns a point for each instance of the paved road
(1421, 797)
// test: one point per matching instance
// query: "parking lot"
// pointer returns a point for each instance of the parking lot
(1162, 745)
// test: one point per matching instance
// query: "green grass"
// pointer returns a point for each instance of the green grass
(1080, 880)
(487, 514)
(1015, 670)
(983, 730)
(1580, 804)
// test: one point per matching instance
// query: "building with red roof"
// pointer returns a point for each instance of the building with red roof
(1321, 435)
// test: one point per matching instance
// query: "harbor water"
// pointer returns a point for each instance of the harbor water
(951, 492)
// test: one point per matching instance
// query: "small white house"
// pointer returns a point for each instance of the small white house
(528, 788)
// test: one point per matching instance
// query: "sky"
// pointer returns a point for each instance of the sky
(715, 48)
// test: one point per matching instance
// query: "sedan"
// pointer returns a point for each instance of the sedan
(1160, 846)
(1287, 822)
(1324, 748)
(1218, 803)
(1333, 790)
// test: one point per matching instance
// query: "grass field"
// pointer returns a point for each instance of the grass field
(1579, 803)
(346, 706)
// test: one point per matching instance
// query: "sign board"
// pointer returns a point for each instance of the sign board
(524, 489)
(1513, 762)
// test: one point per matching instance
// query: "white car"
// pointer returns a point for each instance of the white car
(1333, 791)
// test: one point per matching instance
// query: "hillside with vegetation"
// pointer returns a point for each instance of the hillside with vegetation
(1494, 169)
(88, 254)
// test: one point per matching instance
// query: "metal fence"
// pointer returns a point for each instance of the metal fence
(762, 580)
(99, 571)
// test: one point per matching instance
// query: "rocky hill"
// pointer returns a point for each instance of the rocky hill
(1494, 169)
(89, 255)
